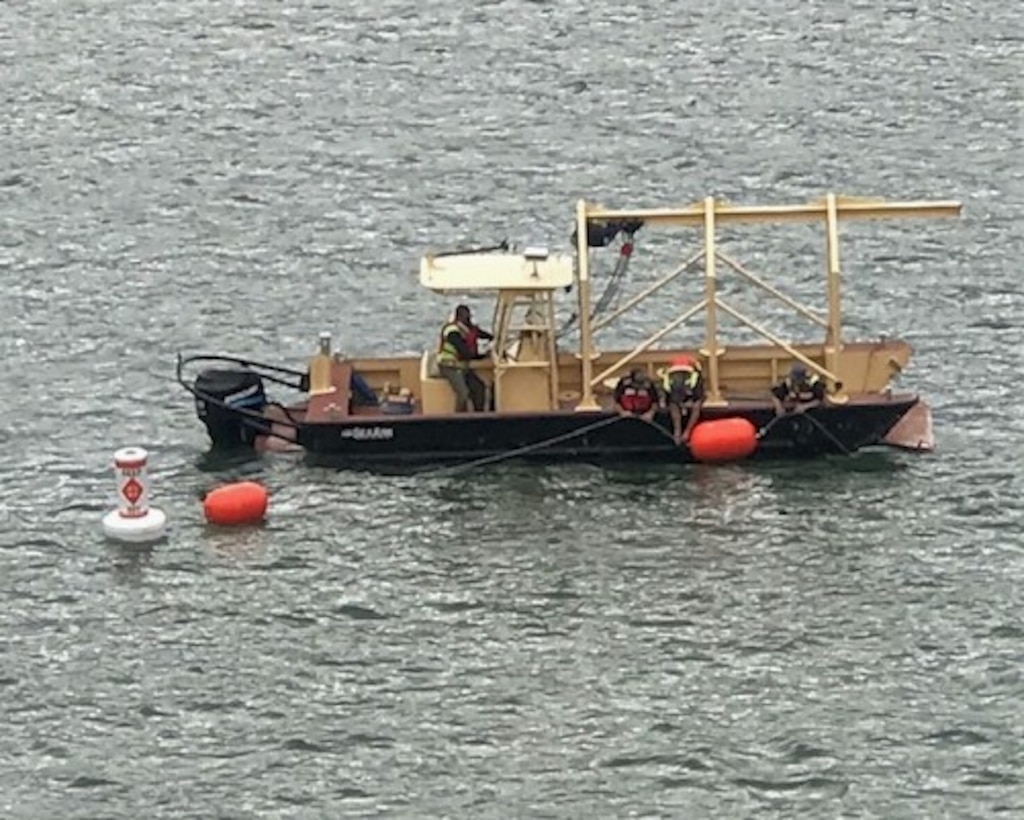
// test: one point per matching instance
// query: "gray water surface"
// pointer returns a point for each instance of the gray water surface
(836, 639)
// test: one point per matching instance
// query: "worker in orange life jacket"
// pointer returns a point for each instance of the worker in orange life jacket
(636, 395)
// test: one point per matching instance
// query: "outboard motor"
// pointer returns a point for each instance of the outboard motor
(221, 394)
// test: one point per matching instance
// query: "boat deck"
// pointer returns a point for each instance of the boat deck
(336, 406)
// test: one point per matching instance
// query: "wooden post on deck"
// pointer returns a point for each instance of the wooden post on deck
(587, 400)
(711, 349)
(833, 334)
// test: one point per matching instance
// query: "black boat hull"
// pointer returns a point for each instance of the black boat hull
(236, 415)
(597, 437)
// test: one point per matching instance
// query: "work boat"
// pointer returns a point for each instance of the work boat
(551, 401)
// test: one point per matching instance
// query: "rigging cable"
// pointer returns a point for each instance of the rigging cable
(612, 291)
(539, 445)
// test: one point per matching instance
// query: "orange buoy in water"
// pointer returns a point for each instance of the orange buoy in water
(723, 439)
(244, 502)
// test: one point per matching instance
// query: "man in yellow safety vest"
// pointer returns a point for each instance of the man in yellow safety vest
(798, 392)
(456, 349)
(683, 390)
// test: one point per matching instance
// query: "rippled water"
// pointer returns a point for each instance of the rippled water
(826, 640)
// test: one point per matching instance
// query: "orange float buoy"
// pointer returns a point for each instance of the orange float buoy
(723, 439)
(244, 502)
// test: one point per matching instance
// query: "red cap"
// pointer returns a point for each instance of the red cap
(682, 363)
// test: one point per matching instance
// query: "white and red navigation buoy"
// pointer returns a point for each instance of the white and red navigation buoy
(134, 520)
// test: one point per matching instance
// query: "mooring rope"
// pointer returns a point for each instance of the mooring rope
(529, 448)
(661, 430)
(842, 447)
(764, 430)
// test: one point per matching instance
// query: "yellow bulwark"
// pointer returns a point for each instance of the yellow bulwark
(709, 213)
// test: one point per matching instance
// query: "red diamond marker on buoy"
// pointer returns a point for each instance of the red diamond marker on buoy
(132, 490)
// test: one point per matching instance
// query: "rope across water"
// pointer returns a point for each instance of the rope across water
(519, 451)
(839, 445)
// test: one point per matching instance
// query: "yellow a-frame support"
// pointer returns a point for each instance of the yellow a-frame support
(709, 214)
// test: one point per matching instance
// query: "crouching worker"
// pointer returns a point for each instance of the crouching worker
(798, 392)
(636, 395)
(683, 386)
(454, 354)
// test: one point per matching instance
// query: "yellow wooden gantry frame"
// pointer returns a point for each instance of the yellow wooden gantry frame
(709, 213)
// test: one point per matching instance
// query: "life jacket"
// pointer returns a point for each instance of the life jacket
(804, 392)
(446, 352)
(637, 398)
(471, 337)
(689, 384)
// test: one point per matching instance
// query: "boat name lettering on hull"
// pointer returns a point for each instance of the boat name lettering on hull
(368, 433)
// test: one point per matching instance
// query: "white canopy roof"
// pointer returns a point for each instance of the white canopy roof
(531, 269)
